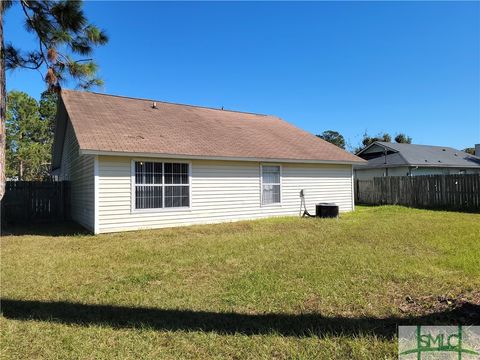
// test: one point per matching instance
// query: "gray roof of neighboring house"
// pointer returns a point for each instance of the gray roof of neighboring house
(419, 155)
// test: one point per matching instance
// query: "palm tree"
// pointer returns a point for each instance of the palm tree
(62, 31)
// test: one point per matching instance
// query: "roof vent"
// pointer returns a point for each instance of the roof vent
(154, 105)
(444, 150)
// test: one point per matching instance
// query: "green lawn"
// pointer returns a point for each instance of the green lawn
(276, 288)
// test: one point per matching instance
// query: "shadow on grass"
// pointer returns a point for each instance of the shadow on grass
(474, 210)
(227, 323)
(62, 228)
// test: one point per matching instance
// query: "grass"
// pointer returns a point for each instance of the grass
(276, 288)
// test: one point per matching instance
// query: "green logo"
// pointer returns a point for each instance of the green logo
(445, 339)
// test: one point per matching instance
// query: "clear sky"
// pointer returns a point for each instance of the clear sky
(410, 67)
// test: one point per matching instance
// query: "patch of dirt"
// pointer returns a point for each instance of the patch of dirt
(462, 308)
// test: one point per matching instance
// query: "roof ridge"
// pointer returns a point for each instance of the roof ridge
(166, 102)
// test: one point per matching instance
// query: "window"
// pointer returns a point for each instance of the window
(270, 184)
(161, 185)
(176, 185)
(148, 185)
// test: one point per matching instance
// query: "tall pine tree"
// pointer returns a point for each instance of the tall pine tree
(63, 32)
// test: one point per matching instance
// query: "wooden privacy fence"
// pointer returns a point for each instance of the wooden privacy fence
(449, 192)
(36, 201)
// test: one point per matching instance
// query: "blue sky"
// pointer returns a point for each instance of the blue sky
(410, 67)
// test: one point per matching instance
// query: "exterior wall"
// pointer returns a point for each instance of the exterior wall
(368, 174)
(79, 170)
(443, 171)
(399, 171)
(220, 191)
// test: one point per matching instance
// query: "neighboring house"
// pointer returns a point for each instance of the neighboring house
(393, 159)
(138, 164)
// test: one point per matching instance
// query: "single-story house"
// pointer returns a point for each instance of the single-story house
(393, 159)
(142, 164)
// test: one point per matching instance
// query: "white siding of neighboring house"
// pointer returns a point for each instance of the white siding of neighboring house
(221, 191)
(399, 171)
(78, 169)
(368, 174)
(443, 171)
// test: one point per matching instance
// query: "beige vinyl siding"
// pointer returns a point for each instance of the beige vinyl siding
(78, 169)
(221, 191)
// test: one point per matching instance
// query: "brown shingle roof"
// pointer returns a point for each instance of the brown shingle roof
(107, 123)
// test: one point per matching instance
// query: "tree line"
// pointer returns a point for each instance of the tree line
(334, 137)
(30, 126)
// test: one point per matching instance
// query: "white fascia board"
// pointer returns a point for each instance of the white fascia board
(225, 158)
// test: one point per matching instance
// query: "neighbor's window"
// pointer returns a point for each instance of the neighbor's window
(161, 185)
(270, 185)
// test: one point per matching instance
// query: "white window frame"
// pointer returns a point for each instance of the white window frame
(133, 209)
(261, 185)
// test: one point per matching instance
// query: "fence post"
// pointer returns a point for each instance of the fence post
(62, 202)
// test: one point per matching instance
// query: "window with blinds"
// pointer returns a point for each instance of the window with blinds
(271, 185)
(161, 185)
